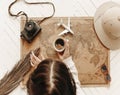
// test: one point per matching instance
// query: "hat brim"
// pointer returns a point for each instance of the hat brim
(104, 38)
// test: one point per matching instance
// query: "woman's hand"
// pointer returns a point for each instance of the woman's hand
(66, 52)
(35, 60)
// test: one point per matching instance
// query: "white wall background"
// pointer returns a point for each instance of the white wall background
(10, 40)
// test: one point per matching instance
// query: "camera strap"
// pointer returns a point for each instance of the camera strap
(30, 26)
(23, 13)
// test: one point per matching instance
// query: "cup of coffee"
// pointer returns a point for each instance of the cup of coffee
(59, 45)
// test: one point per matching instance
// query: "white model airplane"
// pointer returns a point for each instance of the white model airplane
(67, 27)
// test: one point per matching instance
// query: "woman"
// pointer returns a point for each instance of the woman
(53, 77)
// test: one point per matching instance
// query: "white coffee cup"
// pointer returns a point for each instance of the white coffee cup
(59, 44)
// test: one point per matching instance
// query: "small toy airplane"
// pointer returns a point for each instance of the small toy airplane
(67, 27)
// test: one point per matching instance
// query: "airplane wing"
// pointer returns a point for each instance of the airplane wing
(67, 28)
(63, 32)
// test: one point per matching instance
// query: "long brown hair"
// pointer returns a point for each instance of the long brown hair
(51, 77)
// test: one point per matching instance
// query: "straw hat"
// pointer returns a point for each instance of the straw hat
(107, 24)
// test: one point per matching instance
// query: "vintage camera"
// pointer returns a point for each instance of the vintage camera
(31, 30)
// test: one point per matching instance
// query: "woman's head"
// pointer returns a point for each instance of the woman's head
(51, 77)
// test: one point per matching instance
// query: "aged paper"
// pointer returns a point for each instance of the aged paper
(87, 51)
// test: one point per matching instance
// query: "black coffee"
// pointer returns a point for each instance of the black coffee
(59, 43)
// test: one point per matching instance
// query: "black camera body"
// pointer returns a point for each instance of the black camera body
(31, 30)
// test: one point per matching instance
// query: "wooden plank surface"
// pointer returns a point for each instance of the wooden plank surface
(10, 31)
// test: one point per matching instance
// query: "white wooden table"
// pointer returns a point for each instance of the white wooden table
(10, 39)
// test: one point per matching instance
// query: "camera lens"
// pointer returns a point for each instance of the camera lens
(29, 26)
